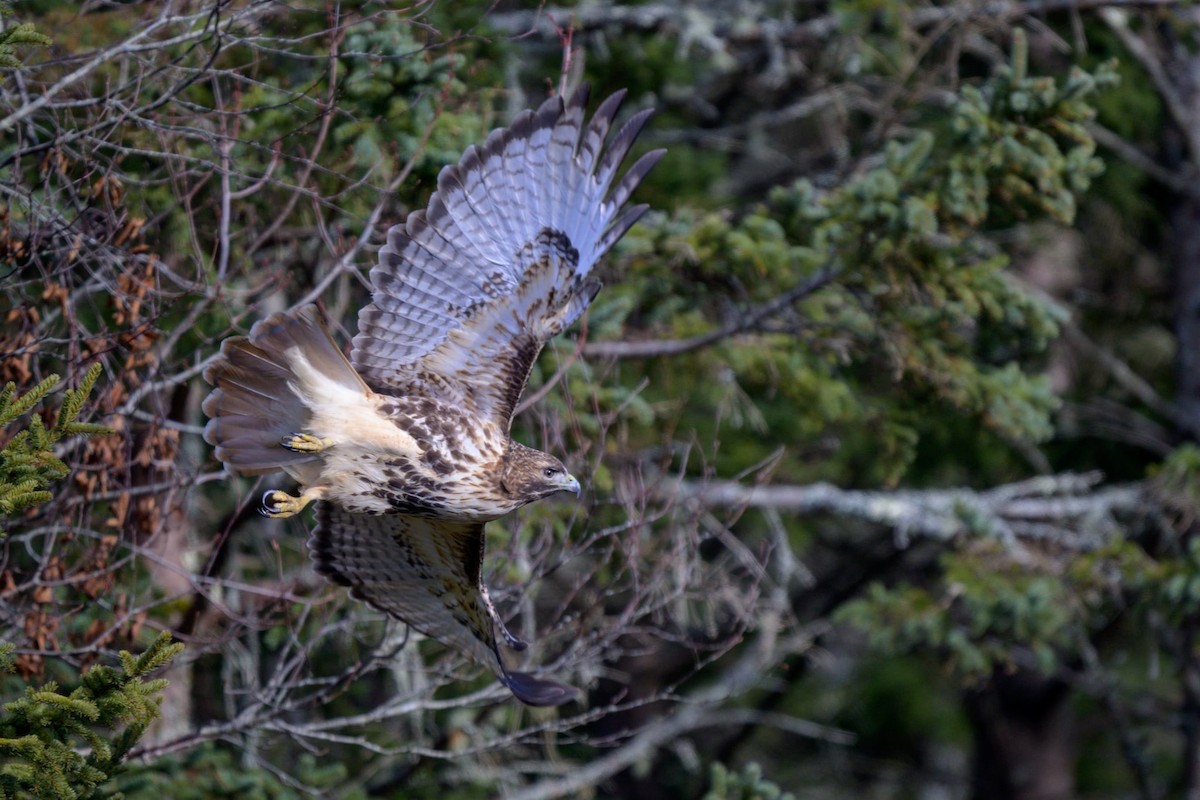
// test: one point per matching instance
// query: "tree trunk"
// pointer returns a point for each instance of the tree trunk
(1183, 67)
(1185, 253)
(1022, 725)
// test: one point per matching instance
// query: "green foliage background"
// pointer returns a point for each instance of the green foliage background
(903, 345)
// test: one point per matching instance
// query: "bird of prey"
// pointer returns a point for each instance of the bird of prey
(407, 443)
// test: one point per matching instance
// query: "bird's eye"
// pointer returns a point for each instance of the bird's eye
(550, 472)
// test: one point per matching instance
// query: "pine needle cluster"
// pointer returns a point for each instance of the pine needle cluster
(11, 38)
(28, 464)
(57, 745)
(749, 784)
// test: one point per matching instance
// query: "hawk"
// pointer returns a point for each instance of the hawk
(407, 443)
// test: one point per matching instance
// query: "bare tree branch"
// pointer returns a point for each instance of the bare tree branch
(747, 321)
(1118, 22)
(1066, 509)
(1138, 158)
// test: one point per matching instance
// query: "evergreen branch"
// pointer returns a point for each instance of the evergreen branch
(23, 34)
(12, 407)
(27, 462)
(88, 429)
(17, 497)
(73, 402)
(45, 734)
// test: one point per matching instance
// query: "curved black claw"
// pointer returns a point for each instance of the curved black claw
(265, 507)
(536, 692)
(277, 504)
(271, 505)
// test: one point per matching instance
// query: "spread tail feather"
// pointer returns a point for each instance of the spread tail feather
(258, 397)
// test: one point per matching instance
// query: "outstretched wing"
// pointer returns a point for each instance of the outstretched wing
(468, 290)
(427, 573)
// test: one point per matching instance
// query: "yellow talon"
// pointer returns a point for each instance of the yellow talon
(278, 505)
(305, 443)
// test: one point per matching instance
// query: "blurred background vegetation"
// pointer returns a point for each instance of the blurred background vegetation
(887, 413)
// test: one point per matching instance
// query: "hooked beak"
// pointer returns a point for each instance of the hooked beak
(561, 481)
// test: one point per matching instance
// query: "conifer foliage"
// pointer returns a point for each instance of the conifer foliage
(53, 743)
(11, 38)
(67, 745)
(28, 464)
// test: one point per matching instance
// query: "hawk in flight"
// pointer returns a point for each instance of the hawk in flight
(407, 443)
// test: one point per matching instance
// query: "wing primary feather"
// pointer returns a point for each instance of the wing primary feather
(597, 131)
(514, 191)
(616, 229)
(619, 147)
(619, 227)
(579, 98)
(630, 180)
(540, 178)
(502, 171)
(563, 189)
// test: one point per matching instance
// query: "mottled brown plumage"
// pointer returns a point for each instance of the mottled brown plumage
(407, 443)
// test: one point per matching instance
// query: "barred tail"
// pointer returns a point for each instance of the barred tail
(260, 383)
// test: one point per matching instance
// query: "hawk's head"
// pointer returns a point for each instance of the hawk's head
(531, 474)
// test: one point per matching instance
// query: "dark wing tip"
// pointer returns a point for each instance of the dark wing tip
(536, 692)
(579, 97)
